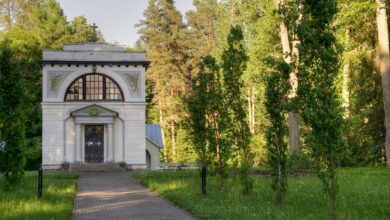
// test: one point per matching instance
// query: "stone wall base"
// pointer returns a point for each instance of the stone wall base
(131, 167)
(95, 167)
(52, 167)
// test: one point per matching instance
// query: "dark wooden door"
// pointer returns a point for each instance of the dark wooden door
(94, 143)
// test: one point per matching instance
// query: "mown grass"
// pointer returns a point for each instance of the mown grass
(364, 193)
(22, 203)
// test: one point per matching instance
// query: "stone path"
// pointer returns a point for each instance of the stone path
(115, 195)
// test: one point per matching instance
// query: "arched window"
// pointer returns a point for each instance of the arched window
(94, 87)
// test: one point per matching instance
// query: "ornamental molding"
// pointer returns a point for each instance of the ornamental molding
(133, 82)
(94, 111)
(55, 78)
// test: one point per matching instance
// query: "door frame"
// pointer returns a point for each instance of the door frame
(105, 141)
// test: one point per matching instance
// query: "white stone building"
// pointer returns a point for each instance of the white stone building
(93, 106)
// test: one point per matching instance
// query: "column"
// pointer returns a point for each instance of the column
(78, 149)
(110, 146)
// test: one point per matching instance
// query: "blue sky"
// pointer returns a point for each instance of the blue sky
(115, 18)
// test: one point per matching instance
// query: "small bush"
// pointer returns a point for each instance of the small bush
(33, 154)
(299, 161)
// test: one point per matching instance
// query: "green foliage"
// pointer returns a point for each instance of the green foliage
(363, 130)
(27, 53)
(203, 26)
(234, 60)
(81, 31)
(320, 107)
(363, 195)
(164, 36)
(185, 149)
(21, 203)
(262, 42)
(258, 148)
(12, 130)
(48, 23)
(261, 39)
(152, 114)
(299, 161)
(208, 119)
(276, 95)
(227, 16)
(33, 153)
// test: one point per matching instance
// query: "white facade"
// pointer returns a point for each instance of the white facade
(64, 121)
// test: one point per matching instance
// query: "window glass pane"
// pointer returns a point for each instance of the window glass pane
(75, 92)
(112, 90)
(96, 87)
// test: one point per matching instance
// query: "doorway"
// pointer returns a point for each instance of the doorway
(94, 143)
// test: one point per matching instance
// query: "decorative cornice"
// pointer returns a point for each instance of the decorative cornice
(94, 111)
(80, 62)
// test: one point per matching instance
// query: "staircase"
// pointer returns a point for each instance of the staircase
(96, 167)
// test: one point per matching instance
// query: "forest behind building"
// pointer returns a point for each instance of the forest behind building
(182, 48)
(176, 43)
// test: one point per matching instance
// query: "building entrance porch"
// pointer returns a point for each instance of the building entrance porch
(94, 134)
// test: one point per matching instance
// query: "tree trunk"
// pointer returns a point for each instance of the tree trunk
(333, 195)
(293, 126)
(162, 129)
(253, 111)
(212, 119)
(8, 6)
(250, 110)
(283, 32)
(344, 88)
(173, 140)
(383, 40)
(218, 154)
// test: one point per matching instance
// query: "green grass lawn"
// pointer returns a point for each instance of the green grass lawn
(57, 202)
(364, 193)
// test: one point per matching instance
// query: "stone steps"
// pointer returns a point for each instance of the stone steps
(96, 167)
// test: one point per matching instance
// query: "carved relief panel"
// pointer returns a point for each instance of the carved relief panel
(54, 80)
(133, 82)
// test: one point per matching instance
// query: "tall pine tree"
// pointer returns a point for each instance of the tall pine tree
(203, 25)
(164, 35)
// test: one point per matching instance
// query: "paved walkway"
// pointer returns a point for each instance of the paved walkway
(115, 195)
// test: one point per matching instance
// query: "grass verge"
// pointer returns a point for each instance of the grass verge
(22, 202)
(363, 193)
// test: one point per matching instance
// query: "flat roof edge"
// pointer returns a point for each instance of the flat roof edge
(121, 62)
(96, 51)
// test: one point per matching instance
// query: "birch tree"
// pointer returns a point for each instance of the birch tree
(8, 11)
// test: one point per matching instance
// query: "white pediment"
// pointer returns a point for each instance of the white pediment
(94, 111)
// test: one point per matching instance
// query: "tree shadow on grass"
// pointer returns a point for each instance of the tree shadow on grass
(22, 202)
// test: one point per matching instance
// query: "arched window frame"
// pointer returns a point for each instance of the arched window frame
(84, 89)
